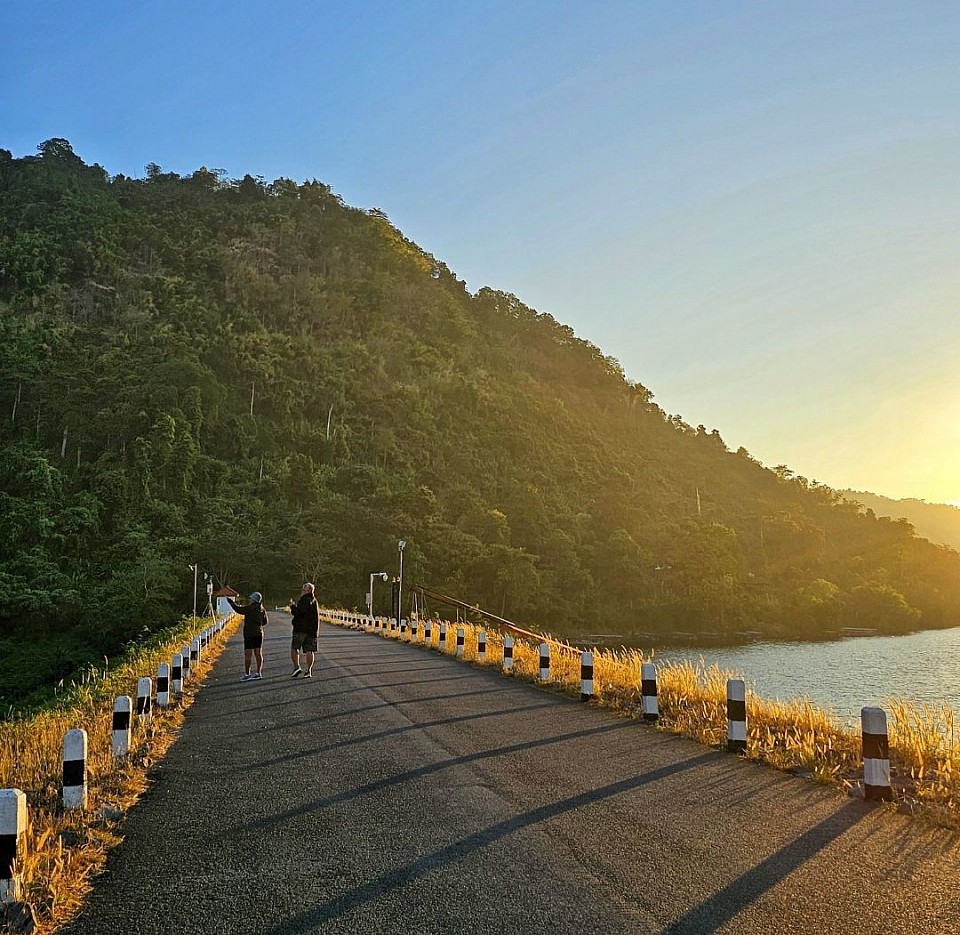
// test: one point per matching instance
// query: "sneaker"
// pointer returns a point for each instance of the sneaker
(308, 674)
(256, 675)
(297, 671)
(246, 677)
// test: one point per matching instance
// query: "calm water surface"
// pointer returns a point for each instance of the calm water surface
(845, 675)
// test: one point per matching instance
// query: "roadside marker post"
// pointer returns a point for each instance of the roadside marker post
(544, 662)
(586, 676)
(876, 755)
(507, 653)
(144, 695)
(163, 685)
(736, 716)
(75, 769)
(13, 825)
(121, 725)
(648, 692)
(460, 642)
(482, 646)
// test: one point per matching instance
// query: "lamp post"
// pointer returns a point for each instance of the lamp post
(400, 547)
(382, 575)
(193, 568)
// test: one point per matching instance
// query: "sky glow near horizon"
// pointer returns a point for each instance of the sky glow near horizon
(753, 207)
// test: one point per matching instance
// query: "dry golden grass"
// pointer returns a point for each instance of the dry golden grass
(63, 850)
(795, 736)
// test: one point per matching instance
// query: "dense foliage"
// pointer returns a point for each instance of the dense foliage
(264, 380)
(938, 522)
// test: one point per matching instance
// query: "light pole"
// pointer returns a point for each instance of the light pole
(400, 546)
(193, 568)
(382, 575)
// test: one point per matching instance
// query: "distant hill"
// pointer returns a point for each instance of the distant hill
(258, 379)
(938, 522)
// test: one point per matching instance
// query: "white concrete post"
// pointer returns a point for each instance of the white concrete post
(185, 658)
(121, 725)
(876, 755)
(176, 674)
(75, 769)
(13, 825)
(144, 696)
(586, 676)
(482, 646)
(443, 635)
(460, 641)
(427, 632)
(544, 662)
(648, 691)
(736, 716)
(163, 685)
(507, 653)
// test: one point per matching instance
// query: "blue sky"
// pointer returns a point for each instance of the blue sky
(752, 206)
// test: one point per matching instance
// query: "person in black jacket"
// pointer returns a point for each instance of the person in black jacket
(306, 628)
(254, 620)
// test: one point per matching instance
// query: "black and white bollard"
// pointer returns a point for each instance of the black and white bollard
(586, 676)
(413, 629)
(144, 695)
(393, 624)
(195, 654)
(13, 825)
(544, 662)
(460, 641)
(121, 725)
(185, 659)
(75, 769)
(507, 653)
(876, 755)
(176, 675)
(427, 632)
(482, 646)
(648, 692)
(163, 685)
(403, 627)
(736, 716)
(443, 636)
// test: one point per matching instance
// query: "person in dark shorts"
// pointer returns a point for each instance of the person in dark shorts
(254, 620)
(306, 628)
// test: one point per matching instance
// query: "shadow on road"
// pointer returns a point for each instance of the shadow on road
(393, 731)
(714, 913)
(400, 876)
(349, 794)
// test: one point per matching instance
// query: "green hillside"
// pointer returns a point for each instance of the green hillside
(938, 522)
(261, 379)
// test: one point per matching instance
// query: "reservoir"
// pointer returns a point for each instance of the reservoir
(844, 675)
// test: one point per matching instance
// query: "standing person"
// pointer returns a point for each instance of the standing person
(306, 628)
(254, 620)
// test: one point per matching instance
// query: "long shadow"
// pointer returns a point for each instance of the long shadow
(457, 850)
(394, 731)
(373, 707)
(348, 795)
(714, 913)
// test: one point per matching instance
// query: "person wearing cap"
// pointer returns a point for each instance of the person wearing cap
(306, 629)
(254, 620)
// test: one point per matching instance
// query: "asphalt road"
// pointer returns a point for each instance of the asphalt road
(402, 792)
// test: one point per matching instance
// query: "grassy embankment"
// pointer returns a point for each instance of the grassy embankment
(63, 850)
(794, 736)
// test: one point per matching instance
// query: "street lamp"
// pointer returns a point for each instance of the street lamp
(382, 575)
(193, 568)
(400, 547)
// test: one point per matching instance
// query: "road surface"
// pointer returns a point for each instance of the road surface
(399, 791)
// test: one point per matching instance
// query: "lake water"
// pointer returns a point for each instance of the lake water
(845, 675)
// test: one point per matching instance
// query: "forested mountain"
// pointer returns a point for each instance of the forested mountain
(938, 522)
(259, 378)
